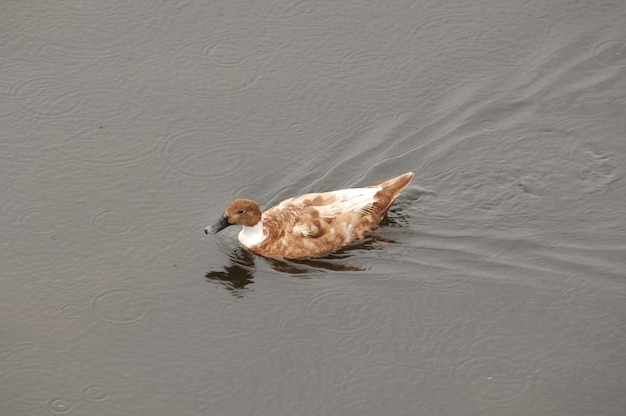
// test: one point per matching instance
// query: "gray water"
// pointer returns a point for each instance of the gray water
(496, 286)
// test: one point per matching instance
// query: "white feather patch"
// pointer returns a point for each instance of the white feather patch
(251, 236)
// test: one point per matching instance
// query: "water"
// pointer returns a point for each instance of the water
(496, 286)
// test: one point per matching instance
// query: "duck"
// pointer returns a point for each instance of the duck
(314, 224)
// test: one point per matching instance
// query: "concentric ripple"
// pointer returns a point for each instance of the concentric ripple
(95, 393)
(119, 307)
(69, 311)
(195, 153)
(59, 405)
(90, 8)
(36, 222)
(53, 52)
(272, 11)
(30, 379)
(36, 94)
(344, 313)
(215, 68)
(111, 223)
(492, 378)
(110, 144)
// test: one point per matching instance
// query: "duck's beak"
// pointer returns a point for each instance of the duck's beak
(218, 226)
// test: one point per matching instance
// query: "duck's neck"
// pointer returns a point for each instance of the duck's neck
(252, 236)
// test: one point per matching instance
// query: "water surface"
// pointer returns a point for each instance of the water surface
(496, 285)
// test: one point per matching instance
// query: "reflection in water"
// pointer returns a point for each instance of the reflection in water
(240, 272)
(237, 275)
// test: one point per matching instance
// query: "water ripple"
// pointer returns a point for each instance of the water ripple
(36, 222)
(119, 307)
(95, 393)
(111, 223)
(273, 11)
(470, 45)
(611, 53)
(346, 314)
(195, 153)
(59, 405)
(90, 8)
(215, 68)
(28, 372)
(108, 144)
(53, 52)
(69, 311)
(37, 93)
(493, 378)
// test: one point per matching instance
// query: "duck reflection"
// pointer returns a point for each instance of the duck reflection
(239, 274)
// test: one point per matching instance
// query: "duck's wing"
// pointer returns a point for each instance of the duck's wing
(314, 215)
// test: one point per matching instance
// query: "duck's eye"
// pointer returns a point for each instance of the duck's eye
(241, 211)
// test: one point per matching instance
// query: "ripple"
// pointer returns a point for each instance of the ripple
(296, 128)
(87, 133)
(237, 322)
(492, 378)
(119, 307)
(293, 330)
(107, 144)
(36, 222)
(272, 88)
(36, 93)
(95, 393)
(363, 69)
(59, 405)
(225, 53)
(409, 264)
(598, 170)
(213, 68)
(90, 8)
(582, 302)
(389, 382)
(220, 49)
(441, 282)
(611, 53)
(197, 153)
(53, 52)
(469, 45)
(340, 313)
(489, 125)
(273, 11)
(69, 311)
(305, 7)
(111, 223)
(353, 347)
(27, 375)
(579, 286)
(163, 15)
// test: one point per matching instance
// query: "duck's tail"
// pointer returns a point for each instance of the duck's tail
(390, 191)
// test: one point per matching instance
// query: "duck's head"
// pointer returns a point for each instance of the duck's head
(239, 212)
